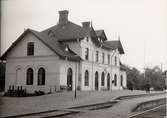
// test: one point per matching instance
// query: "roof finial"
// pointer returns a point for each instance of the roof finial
(118, 37)
(91, 24)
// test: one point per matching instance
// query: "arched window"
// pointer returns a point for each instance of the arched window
(115, 80)
(108, 81)
(30, 76)
(41, 76)
(102, 79)
(86, 78)
(121, 80)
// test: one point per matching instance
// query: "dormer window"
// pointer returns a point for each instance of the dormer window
(30, 48)
(66, 48)
(97, 56)
(51, 34)
(103, 57)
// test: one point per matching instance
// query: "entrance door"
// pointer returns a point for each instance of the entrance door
(108, 81)
(69, 79)
(96, 81)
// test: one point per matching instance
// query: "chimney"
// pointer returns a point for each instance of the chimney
(63, 17)
(86, 24)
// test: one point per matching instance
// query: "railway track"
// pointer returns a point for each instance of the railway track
(156, 112)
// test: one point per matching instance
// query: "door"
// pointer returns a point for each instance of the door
(108, 81)
(96, 81)
(69, 79)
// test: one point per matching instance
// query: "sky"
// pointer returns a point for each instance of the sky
(141, 24)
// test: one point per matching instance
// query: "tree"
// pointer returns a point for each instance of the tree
(153, 78)
(133, 76)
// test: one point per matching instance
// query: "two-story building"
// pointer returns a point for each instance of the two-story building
(65, 55)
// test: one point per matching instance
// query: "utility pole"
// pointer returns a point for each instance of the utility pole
(0, 28)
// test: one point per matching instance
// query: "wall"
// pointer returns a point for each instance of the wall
(17, 61)
(92, 66)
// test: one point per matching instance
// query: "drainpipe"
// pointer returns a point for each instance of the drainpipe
(75, 94)
(92, 68)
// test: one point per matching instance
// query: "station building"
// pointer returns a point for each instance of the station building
(66, 55)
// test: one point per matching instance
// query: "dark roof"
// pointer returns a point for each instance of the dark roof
(54, 45)
(54, 37)
(123, 67)
(115, 44)
(71, 32)
(101, 34)
(68, 31)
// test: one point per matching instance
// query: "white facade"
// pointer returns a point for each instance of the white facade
(57, 69)
(18, 62)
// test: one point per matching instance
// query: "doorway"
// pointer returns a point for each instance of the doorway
(69, 79)
(108, 81)
(96, 81)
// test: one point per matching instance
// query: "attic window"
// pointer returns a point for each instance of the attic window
(30, 48)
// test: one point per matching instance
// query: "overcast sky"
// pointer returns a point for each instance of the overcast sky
(141, 24)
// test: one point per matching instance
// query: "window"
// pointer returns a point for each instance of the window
(30, 48)
(103, 57)
(97, 56)
(30, 75)
(102, 79)
(87, 39)
(108, 59)
(86, 78)
(115, 80)
(121, 80)
(87, 54)
(115, 60)
(41, 76)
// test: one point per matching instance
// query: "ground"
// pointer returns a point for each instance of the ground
(21, 105)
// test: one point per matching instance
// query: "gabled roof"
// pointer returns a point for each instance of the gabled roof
(71, 32)
(101, 34)
(54, 45)
(55, 36)
(115, 44)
